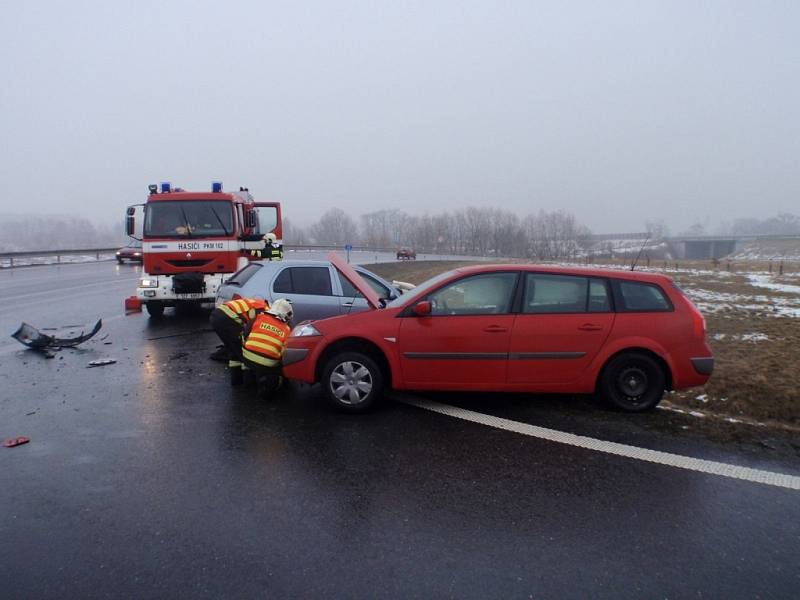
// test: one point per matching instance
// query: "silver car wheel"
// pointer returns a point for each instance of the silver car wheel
(351, 382)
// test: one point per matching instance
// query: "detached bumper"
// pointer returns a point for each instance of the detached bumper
(704, 365)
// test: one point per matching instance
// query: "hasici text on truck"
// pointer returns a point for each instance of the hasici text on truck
(192, 240)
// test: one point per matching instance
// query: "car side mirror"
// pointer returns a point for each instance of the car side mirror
(130, 225)
(422, 309)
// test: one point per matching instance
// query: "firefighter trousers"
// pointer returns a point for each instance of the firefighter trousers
(229, 331)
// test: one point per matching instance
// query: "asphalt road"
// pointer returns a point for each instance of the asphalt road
(153, 478)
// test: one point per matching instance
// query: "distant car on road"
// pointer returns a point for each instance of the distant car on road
(406, 253)
(131, 252)
(625, 335)
(315, 288)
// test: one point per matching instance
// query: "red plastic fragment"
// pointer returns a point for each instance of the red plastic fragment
(17, 441)
(133, 304)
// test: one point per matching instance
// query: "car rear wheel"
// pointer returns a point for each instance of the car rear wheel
(155, 309)
(352, 381)
(632, 382)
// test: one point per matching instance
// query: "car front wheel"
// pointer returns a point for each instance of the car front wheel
(632, 382)
(352, 381)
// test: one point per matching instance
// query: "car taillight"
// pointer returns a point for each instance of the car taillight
(699, 322)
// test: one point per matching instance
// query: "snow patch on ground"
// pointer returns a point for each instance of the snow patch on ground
(745, 337)
(764, 281)
(711, 302)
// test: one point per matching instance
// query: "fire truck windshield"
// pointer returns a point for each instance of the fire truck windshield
(188, 218)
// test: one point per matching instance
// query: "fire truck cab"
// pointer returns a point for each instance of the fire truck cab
(191, 241)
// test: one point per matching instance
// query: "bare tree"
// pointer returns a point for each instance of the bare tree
(334, 227)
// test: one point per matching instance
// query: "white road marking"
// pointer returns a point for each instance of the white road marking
(663, 458)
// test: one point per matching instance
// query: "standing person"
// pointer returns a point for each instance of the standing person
(228, 321)
(264, 344)
(271, 251)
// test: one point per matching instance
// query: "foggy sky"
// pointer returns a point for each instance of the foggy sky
(617, 111)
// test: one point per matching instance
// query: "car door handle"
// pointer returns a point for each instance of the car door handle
(590, 327)
(495, 329)
(347, 304)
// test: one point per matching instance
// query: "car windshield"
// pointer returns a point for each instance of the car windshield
(187, 219)
(420, 290)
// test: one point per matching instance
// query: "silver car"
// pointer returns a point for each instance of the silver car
(314, 287)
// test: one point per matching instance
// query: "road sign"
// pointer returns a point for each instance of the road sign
(348, 247)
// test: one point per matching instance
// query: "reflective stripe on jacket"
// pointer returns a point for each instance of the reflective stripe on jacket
(269, 253)
(244, 309)
(266, 341)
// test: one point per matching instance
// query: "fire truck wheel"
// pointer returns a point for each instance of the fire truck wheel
(155, 309)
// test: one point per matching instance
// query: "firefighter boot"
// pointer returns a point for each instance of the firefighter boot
(267, 385)
(237, 377)
(221, 354)
(249, 376)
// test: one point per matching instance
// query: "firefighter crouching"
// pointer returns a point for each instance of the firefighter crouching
(228, 321)
(264, 344)
(271, 250)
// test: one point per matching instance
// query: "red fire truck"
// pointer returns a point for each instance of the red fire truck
(192, 240)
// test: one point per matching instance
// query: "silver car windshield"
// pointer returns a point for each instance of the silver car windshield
(420, 290)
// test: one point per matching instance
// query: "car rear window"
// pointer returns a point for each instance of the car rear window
(243, 276)
(314, 281)
(643, 297)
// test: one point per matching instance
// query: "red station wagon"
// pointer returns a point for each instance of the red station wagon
(625, 335)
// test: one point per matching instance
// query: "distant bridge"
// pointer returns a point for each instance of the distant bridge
(698, 246)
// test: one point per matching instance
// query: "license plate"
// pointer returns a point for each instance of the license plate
(193, 296)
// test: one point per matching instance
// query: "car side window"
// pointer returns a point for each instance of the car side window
(380, 289)
(599, 298)
(486, 294)
(283, 283)
(348, 291)
(315, 281)
(643, 297)
(548, 294)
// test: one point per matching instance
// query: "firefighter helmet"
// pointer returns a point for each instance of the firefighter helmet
(270, 238)
(282, 309)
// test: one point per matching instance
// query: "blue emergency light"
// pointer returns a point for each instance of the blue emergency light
(216, 187)
(165, 187)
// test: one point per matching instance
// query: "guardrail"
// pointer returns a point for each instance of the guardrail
(97, 252)
(11, 256)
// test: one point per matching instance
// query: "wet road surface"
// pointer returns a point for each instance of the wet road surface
(152, 477)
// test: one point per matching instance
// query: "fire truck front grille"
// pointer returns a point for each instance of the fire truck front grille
(189, 263)
(188, 283)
